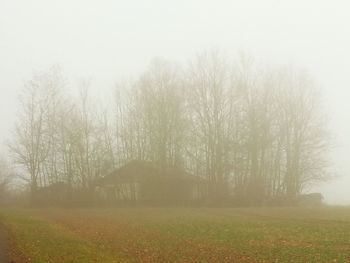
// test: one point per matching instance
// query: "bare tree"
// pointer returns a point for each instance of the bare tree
(32, 140)
(303, 130)
(150, 118)
(208, 94)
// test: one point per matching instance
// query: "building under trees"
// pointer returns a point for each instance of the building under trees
(142, 182)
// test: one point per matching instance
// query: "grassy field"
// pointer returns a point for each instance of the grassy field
(179, 235)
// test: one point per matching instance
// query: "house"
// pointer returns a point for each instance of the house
(312, 199)
(143, 182)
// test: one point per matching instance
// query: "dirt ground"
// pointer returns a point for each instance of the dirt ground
(3, 246)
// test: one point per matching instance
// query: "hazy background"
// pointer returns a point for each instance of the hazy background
(112, 40)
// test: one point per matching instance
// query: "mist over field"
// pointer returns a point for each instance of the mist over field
(219, 128)
(113, 41)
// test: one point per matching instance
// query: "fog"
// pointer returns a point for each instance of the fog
(110, 41)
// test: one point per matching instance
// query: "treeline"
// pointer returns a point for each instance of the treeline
(251, 132)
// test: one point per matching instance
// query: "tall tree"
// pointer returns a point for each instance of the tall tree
(207, 90)
(32, 145)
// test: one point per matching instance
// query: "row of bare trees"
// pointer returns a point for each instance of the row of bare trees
(247, 131)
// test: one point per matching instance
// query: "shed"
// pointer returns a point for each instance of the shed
(312, 199)
(145, 183)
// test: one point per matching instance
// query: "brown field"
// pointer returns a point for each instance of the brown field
(178, 234)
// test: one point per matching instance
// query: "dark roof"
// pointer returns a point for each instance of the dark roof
(136, 170)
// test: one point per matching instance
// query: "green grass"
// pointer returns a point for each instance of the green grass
(41, 241)
(181, 234)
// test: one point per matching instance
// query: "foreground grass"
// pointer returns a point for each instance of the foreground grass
(41, 241)
(181, 235)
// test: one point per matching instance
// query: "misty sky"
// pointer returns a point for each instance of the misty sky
(108, 41)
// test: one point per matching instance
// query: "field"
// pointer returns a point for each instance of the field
(178, 234)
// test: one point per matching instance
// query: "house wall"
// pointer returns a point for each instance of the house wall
(120, 192)
(154, 191)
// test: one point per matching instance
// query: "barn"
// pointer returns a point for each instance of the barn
(142, 182)
(311, 199)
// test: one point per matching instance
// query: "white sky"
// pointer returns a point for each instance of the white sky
(111, 40)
